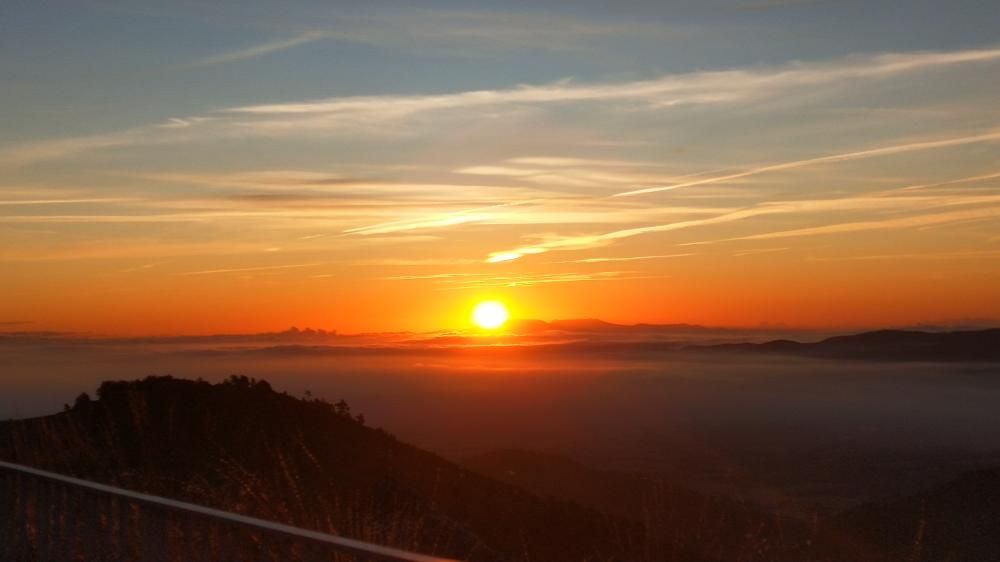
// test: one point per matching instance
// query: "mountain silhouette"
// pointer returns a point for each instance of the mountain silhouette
(243, 447)
(887, 345)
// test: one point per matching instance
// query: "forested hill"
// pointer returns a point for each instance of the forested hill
(241, 446)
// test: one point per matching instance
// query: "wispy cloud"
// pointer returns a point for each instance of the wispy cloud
(116, 249)
(530, 279)
(885, 200)
(465, 33)
(453, 219)
(247, 269)
(587, 241)
(883, 224)
(832, 158)
(757, 251)
(261, 49)
(562, 161)
(30, 153)
(417, 262)
(698, 87)
(970, 179)
(351, 114)
(257, 179)
(578, 172)
(13, 202)
(432, 276)
(930, 256)
(472, 280)
(450, 219)
(628, 258)
(143, 267)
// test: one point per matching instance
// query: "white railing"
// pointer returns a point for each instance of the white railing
(29, 517)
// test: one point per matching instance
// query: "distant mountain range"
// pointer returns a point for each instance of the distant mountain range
(573, 336)
(886, 345)
(597, 337)
(596, 325)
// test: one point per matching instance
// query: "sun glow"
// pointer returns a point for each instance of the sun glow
(489, 315)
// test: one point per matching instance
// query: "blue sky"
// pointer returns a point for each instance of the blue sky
(115, 63)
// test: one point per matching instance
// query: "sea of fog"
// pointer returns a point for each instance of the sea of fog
(797, 432)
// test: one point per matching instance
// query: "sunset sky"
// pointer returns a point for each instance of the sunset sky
(200, 167)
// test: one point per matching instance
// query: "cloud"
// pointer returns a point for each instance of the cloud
(970, 179)
(466, 33)
(577, 172)
(597, 240)
(886, 200)
(868, 202)
(260, 179)
(961, 254)
(560, 162)
(885, 224)
(529, 279)
(116, 249)
(496, 171)
(420, 224)
(262, 49)
(418, 262)
(450, 219)
(432, 276)
(629, 258)
(698, 87)
(58, 149)
(482, 280)
(756, 251)
(246, 269)
(375, 113)
(11, 202)
(844, 157)
(302, 183)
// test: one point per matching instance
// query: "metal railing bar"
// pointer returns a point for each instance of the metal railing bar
(353, 545)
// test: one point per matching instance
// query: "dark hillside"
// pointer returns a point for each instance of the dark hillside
(959, 521)
(241, 446)
(690, 521)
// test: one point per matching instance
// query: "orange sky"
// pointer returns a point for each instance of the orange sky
(702, 290)
(815, 188)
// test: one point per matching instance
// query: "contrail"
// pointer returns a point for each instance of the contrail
(243, 269)
(262, 49)
(886, 150)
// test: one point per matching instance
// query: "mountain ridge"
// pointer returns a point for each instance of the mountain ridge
(896, 345)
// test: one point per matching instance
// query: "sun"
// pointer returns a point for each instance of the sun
(489, 315)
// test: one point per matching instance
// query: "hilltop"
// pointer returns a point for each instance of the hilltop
(241, 446)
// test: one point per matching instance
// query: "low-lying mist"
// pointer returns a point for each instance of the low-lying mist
(801, 433)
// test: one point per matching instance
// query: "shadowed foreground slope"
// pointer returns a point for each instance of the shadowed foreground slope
(241, 446)
(957, 521)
